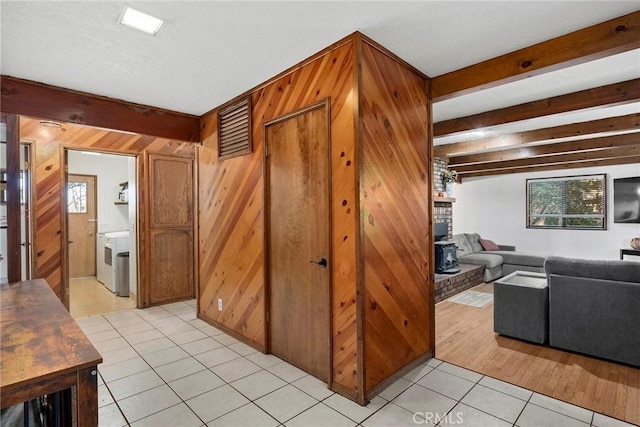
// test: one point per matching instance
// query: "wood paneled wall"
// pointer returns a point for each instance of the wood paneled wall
(389, 176)
(48, 179)
(395, 213)
(232, 235)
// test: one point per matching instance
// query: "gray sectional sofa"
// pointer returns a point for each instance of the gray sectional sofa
(497, 263)
(594, 307)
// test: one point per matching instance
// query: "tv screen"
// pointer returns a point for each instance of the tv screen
(626, 200)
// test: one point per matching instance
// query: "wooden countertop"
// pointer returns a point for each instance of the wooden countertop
(39, 338)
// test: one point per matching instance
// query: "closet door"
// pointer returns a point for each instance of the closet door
(298, 224)
(169, 266)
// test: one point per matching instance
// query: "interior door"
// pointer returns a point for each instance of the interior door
(298, 209)
(170, 258)
(81, 211)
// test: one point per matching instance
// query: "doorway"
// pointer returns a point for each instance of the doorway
(15, 204)
(100, 214)
(298, 234)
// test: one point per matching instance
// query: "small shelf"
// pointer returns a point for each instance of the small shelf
(444, 199)
(120, 203)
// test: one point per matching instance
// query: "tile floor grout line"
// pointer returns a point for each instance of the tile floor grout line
(162, 379)
(129, 314)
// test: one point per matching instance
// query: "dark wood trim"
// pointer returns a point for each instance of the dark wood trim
(613, 94)
(64, 226)
(561, 166)
(366, 39)
(361, 369)
(609, 124)
(337, 45)
(332, 260)
(399, 374)
(557, 159)
(431, 203)
(344, 391)
(14, 225)
(534, 153)
(597, 41)
(234, 334)
(29, 98)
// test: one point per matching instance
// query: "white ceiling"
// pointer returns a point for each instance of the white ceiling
(211, 51)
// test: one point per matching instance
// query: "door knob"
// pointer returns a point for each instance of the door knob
(70, 241)
(321, 263)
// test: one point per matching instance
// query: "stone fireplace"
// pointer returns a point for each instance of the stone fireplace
(442, 210)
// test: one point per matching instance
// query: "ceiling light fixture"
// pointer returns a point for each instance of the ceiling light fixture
(50, 124)
(141, 21)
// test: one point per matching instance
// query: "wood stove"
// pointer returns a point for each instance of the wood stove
(446, 258)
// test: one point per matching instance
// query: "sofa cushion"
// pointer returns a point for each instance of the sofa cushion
(521, 258)
(489, 245)
(622, 271)
(482, 258)
(474, 241)
(462, 243)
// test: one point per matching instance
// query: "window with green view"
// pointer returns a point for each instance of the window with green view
(576, 202)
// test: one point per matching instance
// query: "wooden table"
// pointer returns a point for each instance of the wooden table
(43, 351)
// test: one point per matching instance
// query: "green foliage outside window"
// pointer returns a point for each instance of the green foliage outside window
(571, 202)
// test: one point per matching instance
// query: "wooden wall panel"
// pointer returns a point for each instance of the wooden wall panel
(231, 233)
(231, 238)
(395, 212)
(48, 182)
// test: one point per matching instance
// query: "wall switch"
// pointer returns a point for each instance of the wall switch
(219, 304)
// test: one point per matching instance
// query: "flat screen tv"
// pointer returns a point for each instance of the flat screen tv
(626, 200)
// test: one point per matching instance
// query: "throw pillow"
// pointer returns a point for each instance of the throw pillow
(488, 245)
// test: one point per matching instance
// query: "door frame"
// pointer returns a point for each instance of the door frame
(64, 179)
(29, 268)
(325, 103)
(95, 196)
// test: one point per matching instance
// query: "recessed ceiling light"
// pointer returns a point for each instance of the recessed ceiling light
(50, 124)
(141, 21)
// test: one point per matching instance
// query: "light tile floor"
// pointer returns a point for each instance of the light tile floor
(164, 367)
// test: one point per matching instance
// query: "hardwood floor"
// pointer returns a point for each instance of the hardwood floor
(89, 297)
(465, 337)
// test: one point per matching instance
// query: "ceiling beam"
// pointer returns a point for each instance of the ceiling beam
(609, 124)
(540, 168)
(556, 159)
(609, 95)
(608, 38)
(533, 152)
(28, 98)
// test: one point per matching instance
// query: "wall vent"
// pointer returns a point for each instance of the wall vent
(234, 129)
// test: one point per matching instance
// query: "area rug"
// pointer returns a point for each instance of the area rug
(472, 298)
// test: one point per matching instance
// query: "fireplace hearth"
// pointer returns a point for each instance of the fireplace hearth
(446, 258)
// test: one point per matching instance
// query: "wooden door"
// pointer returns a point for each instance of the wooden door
(82, 223)
(299, 239)
(169, 266)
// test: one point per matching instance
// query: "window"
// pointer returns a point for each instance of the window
(77, 197)
(575, 202)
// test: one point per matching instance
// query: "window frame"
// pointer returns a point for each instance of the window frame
(563, 216)
(86, 192)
